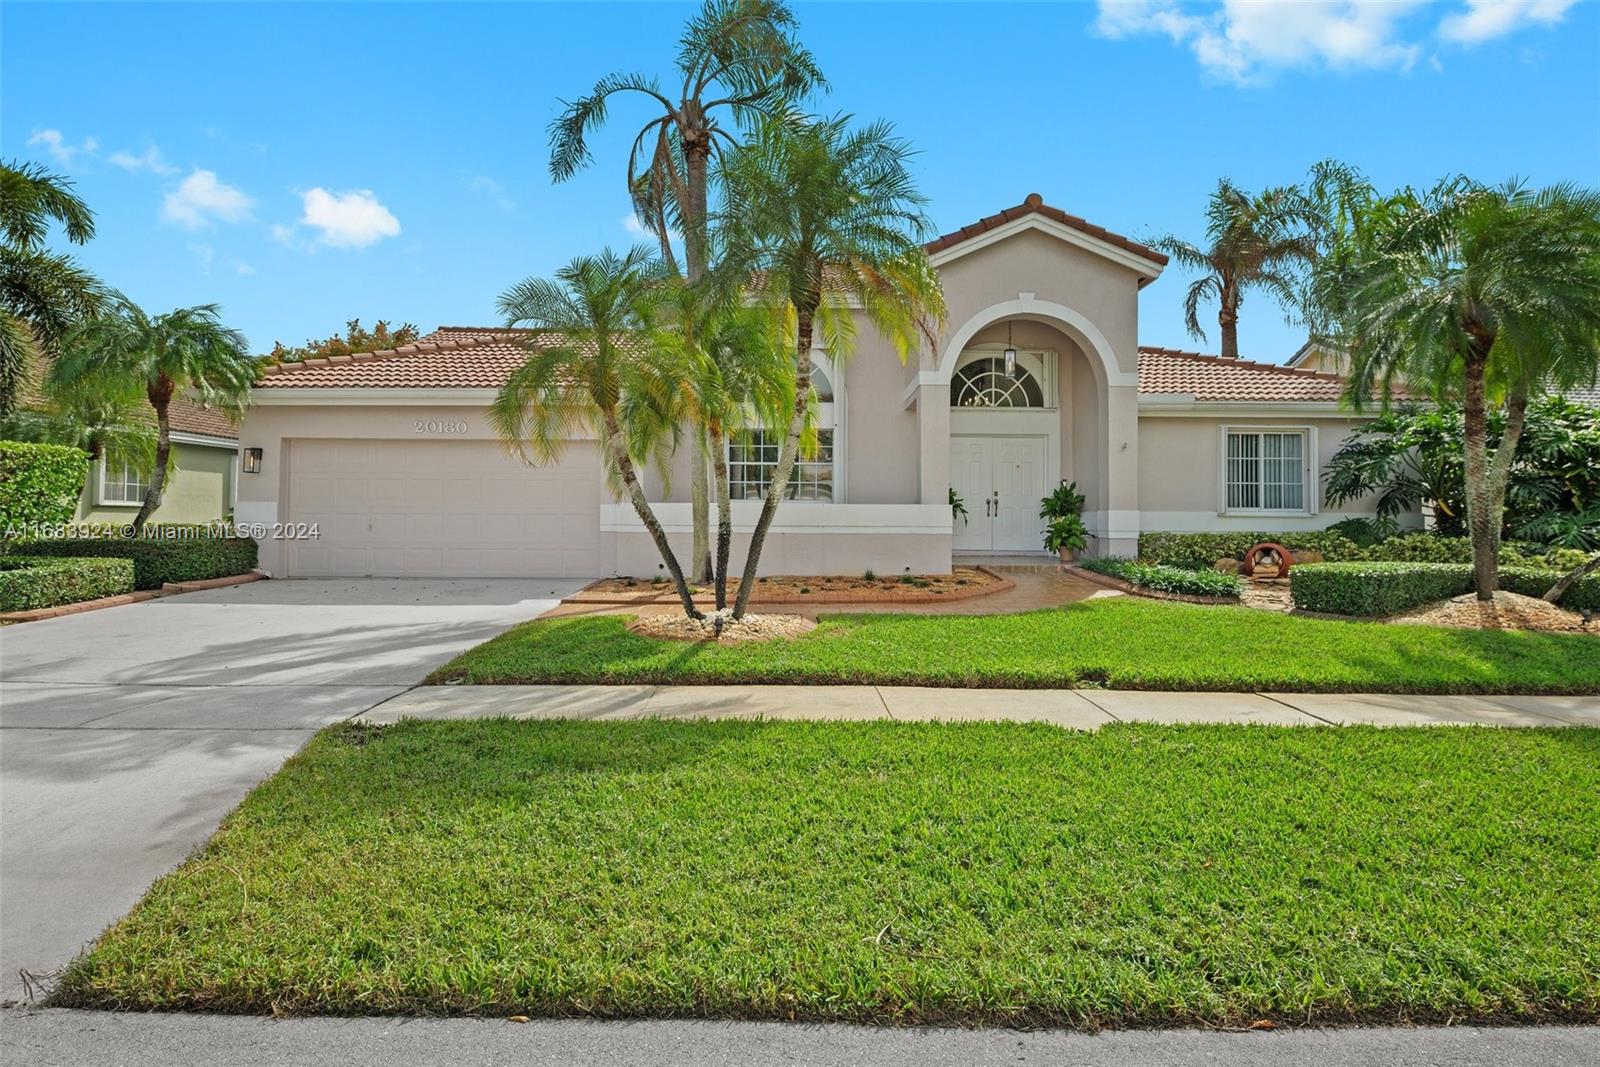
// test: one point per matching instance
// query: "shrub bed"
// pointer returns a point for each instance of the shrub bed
(39, 485)
(160, 560)
(1385, 588)
(1198, 551)
(1164, 579)
(31, 582)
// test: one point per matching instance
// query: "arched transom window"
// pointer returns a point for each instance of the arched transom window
(983, 384)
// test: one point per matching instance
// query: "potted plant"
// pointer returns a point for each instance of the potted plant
(1066, 536)
(1064, 531)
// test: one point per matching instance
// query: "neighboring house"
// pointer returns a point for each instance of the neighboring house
(391, 456)
(200, 488)
(1314, 355)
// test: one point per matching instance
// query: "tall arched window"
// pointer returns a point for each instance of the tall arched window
(983, 384)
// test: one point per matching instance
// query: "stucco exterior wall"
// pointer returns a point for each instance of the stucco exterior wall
(199, 489)
(1180, 478)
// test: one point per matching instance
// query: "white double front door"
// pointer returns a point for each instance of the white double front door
(1001, 481)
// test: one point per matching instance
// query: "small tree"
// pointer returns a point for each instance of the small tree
(1262, 241)
(187, 351)
(826, 218)
(1486, 296)
(589, 366)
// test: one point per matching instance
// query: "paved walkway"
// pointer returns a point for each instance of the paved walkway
(83, 1039)
(1076, 709)
(126, 734)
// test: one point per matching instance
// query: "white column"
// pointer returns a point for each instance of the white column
(933, 443)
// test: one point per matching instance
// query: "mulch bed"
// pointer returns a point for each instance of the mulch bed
(961, 583)
(1508, 611)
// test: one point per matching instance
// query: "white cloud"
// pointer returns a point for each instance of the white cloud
(150, 159)
(1484, 20)
(632, 224)
(201, 198)
(241, 267)
(60, 149)
(487, 186)
(284, 235)
(347, 220)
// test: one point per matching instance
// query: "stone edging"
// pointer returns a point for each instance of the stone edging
(1123, 586)
(138, 596)
(1001, 584)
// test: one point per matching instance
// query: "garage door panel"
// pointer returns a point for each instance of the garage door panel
(442, 509)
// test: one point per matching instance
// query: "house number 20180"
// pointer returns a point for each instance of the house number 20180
(439, 426)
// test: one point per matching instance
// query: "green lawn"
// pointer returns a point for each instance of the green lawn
(1124, 643)
(976, 873)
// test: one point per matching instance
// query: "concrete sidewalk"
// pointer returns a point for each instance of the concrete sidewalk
(1075, 709)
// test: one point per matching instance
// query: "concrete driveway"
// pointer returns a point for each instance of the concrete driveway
(127, 734)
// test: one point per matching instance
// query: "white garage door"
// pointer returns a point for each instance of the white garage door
(442, 509)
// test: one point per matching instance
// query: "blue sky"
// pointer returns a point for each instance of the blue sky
(304, 164)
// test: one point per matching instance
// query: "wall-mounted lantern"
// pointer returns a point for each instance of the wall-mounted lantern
(251, 463)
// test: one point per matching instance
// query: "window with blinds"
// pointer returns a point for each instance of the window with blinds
(1266, 470)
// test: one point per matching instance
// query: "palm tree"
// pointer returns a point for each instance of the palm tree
(1486, 296)
(187, 351)
(720, 364)
(828, 217)
(1252, 242)
(739, 61)
(589, 364)
(42, 295)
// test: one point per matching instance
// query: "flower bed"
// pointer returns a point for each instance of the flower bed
(1175, 581)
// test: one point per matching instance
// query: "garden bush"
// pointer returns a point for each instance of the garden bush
(1375, 588)
(39, 485)
(29, 582)
(157, 560)
(1385, 588)
(1198, 551)
(1165, 579)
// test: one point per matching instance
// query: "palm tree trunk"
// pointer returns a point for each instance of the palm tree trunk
(616, 446)
(1486, 477)
(160, 394)
(719, 475)
(696, 159)
(1572, 578)
(786, 457)
(1228, 322)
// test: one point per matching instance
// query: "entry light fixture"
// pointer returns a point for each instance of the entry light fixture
(1011, 354)
(252, 461)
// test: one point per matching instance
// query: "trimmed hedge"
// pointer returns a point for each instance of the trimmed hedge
(30, 582)
(1164, 579)
(1386, 588)
(160, 560)
(39, 485)
(1198, 551)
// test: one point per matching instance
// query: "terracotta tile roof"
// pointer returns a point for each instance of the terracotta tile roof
(1034, 205)
(1212, 378)
(452, 357)
(186, 416)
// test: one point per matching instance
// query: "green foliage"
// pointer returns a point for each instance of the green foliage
(1413, 458)
(357, 338)
(39, 485)
(1365, 532)
(31, 582)
(158, 560)
(1121, 642)
(900, 873)
(1066, 533)
(1198, 551)
(1375, 588)
(1386, 588)
(1167, 579)
(1063, 500)
(958, 507)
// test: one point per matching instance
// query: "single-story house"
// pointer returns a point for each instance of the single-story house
(391, 457)
(205, 444)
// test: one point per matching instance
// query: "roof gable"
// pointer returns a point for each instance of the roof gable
(1034, 214)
